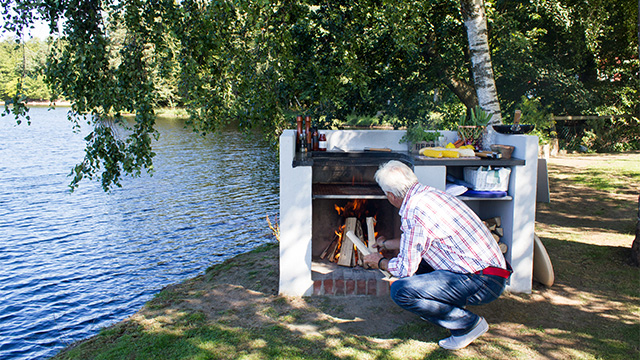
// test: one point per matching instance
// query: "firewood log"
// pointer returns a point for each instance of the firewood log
(346, 250)
(499, 231)
(362, 247)
(371, 234)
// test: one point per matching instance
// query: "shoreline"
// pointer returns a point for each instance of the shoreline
(62, 103)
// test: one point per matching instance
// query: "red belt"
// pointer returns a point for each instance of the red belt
(495, 271)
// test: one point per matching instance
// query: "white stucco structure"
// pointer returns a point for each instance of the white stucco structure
(516, 211)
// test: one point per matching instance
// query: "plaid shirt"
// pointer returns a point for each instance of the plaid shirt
(443, 231)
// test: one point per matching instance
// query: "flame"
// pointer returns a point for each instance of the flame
(339, 234)
(356, 208)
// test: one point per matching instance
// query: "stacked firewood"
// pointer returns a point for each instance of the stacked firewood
(342, 250)
(495, 226)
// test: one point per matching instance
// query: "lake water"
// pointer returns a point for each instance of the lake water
(73, 263)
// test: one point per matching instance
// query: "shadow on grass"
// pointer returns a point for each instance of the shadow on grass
(592, 308)
(574, 204)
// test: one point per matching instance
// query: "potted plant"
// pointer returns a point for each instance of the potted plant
(417, 137)
(471, 128)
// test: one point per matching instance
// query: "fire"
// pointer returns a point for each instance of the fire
(339, 233)
(360, 215)
(356, 208)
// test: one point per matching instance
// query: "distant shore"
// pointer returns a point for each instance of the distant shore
(161, 112)
(61, 103)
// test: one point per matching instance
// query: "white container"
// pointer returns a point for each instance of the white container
(487, 179)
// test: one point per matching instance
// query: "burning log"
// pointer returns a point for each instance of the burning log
(358, 243)
(342, 251)
(345, 258)
(331, 249)
(359, 222)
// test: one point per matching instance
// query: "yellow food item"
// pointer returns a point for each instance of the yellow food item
(450, 154)
(468, 147)
(450, 146)
(431, 153)
(465, 152)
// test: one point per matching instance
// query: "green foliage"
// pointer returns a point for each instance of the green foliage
(534, 113)
(21, 75)
(418, 133)
(254, 63)
(612, 134)
(573, 57)
(476, 117)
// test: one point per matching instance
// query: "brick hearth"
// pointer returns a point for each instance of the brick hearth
(331, 279)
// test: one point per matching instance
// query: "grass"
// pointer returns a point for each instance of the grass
(591, 312)
(612, 176)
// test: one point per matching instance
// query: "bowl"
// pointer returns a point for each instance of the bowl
(507, 129)
(504, 150)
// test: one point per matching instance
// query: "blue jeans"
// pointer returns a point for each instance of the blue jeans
(441, 296)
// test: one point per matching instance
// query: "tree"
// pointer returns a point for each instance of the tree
(21, 66)
(593, 72)
(475, 21)
(255, 63)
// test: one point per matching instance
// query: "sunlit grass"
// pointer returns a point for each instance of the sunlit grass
(611, 174)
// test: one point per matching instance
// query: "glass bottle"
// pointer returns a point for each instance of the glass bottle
(322, 142)
(298, 131)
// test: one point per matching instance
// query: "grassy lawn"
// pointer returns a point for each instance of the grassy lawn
(591, 312)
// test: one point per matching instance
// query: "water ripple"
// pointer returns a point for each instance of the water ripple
(71, 264)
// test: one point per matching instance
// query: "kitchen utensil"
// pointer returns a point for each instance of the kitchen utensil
(504, 150)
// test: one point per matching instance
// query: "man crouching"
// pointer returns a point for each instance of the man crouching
(447, 258)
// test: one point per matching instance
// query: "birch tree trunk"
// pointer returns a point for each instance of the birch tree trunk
(475, 21)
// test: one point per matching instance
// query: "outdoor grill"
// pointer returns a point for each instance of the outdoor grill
(314, 184)
(339, 178)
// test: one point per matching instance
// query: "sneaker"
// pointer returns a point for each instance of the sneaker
(460, 342)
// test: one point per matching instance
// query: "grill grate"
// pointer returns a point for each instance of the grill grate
(347, 191)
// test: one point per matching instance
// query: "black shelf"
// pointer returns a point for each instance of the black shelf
(375, 158)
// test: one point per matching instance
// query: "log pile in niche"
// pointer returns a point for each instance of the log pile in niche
(495, 226)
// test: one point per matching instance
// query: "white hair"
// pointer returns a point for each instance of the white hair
(395, 177)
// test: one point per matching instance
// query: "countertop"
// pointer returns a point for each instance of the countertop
(375, 158)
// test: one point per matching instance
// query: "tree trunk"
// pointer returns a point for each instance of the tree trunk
(464, 91)
(475, 20)
(635, 248)
(460, 88)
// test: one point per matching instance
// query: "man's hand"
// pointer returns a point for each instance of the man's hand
(372, 259)
(384, 244)
(379, 242)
